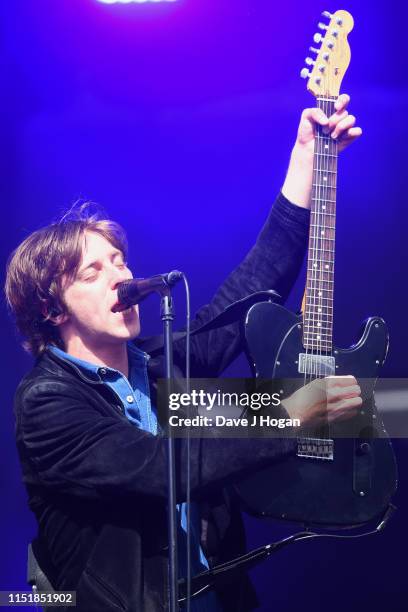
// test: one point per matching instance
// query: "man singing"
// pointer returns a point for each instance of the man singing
(93, 460)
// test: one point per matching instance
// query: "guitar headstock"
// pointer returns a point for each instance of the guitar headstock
(326, 72)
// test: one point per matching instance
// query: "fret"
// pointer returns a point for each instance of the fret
(330, 261)
(329, 171)
(312, 297)
(325, 185)
(321, 250)
(320, 237)
(318, 335)
(313, 323)
(325, 214)
(318, 276)
(324, 226)
(323, 200)
(314, 284)
(325, 155)
(322, 347)
(318, 343)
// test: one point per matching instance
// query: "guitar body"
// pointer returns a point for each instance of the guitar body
(355, 485)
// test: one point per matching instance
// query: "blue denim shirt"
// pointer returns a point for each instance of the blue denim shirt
(135, 397)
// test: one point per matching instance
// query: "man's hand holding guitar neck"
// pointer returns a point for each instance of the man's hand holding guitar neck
(297, 187)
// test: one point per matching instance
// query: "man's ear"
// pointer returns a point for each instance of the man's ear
(57, 317)
(54, 315)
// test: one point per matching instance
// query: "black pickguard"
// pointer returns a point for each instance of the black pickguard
(356, 486)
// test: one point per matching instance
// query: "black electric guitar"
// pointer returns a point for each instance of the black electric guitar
(335, 479)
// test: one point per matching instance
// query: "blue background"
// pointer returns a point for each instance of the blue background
(179, 119)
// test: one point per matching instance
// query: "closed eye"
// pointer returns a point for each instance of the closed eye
(90, 277)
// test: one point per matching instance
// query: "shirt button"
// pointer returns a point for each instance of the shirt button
(102, 371)
(129, 399)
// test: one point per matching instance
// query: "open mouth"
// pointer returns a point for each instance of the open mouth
(121, 308)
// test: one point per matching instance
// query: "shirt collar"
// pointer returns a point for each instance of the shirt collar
(137, 358)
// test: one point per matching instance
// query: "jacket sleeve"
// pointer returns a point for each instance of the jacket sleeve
(68, 445)
(273, 262)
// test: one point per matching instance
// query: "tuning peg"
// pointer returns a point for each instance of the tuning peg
(330, 44)
(314, 50)
(304, 73)
(317, 37)
(339, 21)
(309, 61)
(322, 26)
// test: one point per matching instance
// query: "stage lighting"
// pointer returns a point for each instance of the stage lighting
(132, 1)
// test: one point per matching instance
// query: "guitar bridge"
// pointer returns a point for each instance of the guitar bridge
(315, 448)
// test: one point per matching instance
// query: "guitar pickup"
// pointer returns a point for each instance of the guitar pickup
(319, 365)
(315, 448)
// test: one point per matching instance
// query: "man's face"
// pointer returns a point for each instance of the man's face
(92, 295)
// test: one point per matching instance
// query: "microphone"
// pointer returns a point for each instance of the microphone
(135, 290)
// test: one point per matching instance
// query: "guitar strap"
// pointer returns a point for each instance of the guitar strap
(231, 314)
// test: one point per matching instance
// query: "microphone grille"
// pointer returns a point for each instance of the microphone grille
(173, 277)
(123, 290)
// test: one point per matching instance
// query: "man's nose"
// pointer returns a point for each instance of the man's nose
(119, 275)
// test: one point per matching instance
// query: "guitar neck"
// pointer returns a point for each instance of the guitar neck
(318, 312)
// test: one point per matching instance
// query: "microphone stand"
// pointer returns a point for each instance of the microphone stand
(167, 316)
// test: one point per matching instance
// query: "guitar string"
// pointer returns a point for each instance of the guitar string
(320, 190)
(323, 302)
(324, 180)
(322, 207)
(309, 275)
(329, 203)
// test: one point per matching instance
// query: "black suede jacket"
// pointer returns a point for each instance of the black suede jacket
(98, 485)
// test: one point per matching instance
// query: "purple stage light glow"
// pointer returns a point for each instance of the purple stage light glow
(132, 1)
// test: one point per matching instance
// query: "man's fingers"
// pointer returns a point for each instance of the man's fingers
(333, 121)
(352, 133)
(342, 102)
(348, 137)
(340, 125)
(344, 381)
(344, 409)
(315, 115)
(343, 125)
(337, 394)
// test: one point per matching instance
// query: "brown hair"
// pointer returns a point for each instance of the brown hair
(37, 268)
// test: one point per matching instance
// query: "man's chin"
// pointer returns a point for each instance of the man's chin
(133, 331)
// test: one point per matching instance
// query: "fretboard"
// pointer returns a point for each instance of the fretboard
(318, 312)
